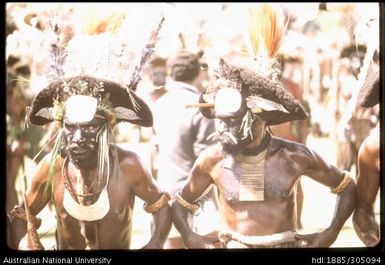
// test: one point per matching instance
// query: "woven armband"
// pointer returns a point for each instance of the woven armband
(156, 206)
(342, 184)
(192, 207)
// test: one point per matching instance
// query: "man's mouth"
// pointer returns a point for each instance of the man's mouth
(229, 138)
(226, 138)
(79, 151)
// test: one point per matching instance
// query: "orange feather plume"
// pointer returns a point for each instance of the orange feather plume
(266, 27)
(111, 23)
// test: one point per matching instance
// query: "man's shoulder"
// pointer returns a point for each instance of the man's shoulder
(129, 162)
(280, 143)
(124, 154)
(208, 158)
(212, 152)
(293, 151)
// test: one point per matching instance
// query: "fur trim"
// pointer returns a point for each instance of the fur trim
(115, 94)
(252, 84)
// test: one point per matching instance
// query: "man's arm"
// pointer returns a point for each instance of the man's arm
(15, 155)
(155, 203)
(37, 196)
(364, 221)
(196, 186)
(345, 189)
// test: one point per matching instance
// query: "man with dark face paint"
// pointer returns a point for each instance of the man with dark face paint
(255, 173)
(92, 182)
(81, 141)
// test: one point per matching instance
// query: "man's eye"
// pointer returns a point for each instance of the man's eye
(234, 121)
(91, 128)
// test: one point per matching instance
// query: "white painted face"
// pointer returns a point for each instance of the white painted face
(227, 101)
(80, 108)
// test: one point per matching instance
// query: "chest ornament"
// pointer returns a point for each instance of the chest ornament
(252, 177)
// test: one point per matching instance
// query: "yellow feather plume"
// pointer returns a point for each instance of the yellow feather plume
(266, 27)
(96, 25)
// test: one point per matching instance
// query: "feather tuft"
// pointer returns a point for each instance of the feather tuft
(145, 58)
(58, 37)
(96, 25)
(266, 27)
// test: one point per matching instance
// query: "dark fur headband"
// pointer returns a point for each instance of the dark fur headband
(114, 100)
(249, 83)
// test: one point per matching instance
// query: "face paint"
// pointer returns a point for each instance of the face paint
(229, 134)
(228, 102)
(81, 141)
(236, 133)
(80, 109)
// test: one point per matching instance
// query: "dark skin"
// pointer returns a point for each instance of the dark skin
(14, 161)
(285, 131)
(285, 163)
(364, 221)
(114, 230)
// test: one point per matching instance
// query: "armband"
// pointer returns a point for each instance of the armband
(192, 207)
(156, 206)
(342, 184)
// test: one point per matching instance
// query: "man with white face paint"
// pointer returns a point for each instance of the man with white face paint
(255, 173)
(93, 182)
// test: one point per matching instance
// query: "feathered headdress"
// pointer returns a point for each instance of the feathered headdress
(113, 100)
(77, 91)
(256, 85)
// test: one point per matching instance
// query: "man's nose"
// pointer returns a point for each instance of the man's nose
(78, 136)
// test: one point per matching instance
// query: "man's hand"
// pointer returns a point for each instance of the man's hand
(197, 241)
(20, 213)
(370, 238)
(317, 240)
(366, 227)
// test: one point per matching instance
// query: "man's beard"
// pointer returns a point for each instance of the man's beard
(233, 149)
(87, 160)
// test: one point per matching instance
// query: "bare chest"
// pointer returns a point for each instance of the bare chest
(270, 180)
(73, 233)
